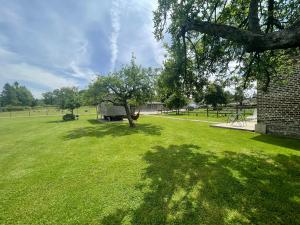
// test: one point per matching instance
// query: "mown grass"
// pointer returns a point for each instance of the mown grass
(162, 172)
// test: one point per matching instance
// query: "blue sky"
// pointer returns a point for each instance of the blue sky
(50, 44)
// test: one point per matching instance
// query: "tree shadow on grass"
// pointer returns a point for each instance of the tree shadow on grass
(56, 121)
(185, 186)
(279, 141)
(113, 129)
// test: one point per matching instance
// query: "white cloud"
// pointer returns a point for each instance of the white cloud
(81, 72)
(35, 75)
(13, 68)
(115, 17)
(6, 55)
(138, 36)
(61, 45)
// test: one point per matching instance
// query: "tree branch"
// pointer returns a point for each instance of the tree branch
(196, 54)
(253, 42)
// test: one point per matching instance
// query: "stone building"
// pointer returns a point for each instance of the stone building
(278, 110)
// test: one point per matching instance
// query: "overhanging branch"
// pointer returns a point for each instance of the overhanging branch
(253, 42)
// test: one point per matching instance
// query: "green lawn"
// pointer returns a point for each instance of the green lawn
(162, 172)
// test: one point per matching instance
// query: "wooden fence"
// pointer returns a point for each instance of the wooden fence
(217, 112)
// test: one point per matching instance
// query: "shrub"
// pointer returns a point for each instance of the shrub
(14, 108)
(69, 117)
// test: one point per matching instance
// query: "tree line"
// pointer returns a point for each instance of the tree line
(16, 95)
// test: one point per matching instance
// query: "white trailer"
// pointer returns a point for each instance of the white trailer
(110, 111)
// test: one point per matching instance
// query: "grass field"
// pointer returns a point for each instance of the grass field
(162, 172)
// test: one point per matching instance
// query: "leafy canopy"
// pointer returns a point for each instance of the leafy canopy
(215, 95)
(131, 85)
(176, 101)
(16, 95)
(67, 98)
(259, 38)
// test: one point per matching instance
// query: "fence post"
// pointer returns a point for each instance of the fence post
(9, 113)
(217, 113)
(237, 112)
(97, 114)
(29, 112)
(206, 111)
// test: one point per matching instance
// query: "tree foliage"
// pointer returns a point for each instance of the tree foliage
(16, 95)
(131, 85)
(49, 98)
(176, 101)
(64, 98)
(260, 37)
(215, 95)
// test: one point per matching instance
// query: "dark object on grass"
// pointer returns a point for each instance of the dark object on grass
(113, 118)
(136, 116)
(190, 108)
(69, 117)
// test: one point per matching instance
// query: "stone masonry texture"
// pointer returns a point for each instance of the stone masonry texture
(279, 107)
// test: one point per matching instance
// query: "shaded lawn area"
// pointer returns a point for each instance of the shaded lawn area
(162, 172)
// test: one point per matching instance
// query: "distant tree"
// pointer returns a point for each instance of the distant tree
(176, 101)
(16, 95)
(239, 89)
(82, 97)
(168, 82)
(215, 95)
(9, 95)
(96, 92)
(68, 98)
(198, 96)
(173, 81)
(239, 95)
(49, 98)
(131, 85)
(24, 96)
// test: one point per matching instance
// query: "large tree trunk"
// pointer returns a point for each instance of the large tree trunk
(128, 113)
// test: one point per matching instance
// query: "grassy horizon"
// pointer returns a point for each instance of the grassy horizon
(161, 172)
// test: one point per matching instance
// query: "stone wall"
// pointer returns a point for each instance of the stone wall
(278, 110)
